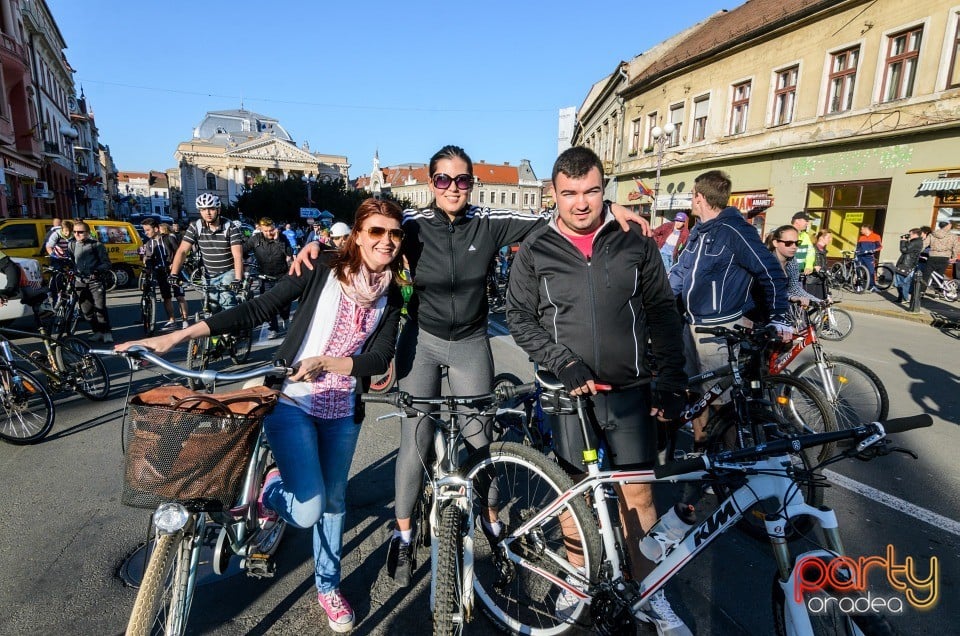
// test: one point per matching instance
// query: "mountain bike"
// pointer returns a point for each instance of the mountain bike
(940, 286)
(66, 309)
(854, 391)
(445, 516)
(148, 301)
(181, 525)
(26, 410)
(564, 553)
(849, 274)
(202, 351)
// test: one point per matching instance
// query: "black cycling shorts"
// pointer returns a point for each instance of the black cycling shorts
(622, 420)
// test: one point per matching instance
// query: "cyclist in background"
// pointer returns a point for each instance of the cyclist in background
(92, 261)
(220, 245)
(273, 255)
(338, 234)
(157, 255)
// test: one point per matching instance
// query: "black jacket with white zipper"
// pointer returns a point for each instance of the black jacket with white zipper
(561, 306)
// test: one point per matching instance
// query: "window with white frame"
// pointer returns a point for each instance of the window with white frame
(513, 198)
(900, 70)
(651, 124)
(503, 198)
(676, 118)
(953, 77)
(634, 136)
(740, 107)
(481, 196)
(785, 95)
(701, 106)
(843, 75)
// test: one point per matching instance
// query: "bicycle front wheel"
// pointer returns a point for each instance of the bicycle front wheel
(449, 616)
(518, 483)
(834, 324)
(240, 345)
(860, 279)
(884, 277)
(166, 591)
(950, 290)
(856, 393)
(85, 370)
(27, 411)
(800, 408)
(198, 357)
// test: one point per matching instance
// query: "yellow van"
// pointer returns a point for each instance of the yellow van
(24, 238)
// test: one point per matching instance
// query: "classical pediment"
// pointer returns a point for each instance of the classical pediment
(271, 149)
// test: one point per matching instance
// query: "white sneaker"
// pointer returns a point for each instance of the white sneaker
(567, 602)
(658, 611)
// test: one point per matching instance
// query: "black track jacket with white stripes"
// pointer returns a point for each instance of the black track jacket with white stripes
(562, 307)
(449, 260)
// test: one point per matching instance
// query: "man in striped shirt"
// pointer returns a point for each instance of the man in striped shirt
(220, 245)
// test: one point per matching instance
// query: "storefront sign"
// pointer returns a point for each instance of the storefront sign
(750, 201)
(678, 201)
(853, 217)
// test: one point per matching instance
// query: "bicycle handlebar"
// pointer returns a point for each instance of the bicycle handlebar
(207, 376)
(404, 399)
(794, 443)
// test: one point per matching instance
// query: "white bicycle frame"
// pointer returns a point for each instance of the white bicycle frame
(759, 487)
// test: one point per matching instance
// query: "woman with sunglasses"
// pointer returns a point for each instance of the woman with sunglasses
(449, 246)
(344, 332)
(783, 242)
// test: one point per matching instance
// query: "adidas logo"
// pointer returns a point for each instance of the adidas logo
(471, 248)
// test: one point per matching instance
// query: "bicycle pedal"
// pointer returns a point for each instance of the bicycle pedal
(260, 566)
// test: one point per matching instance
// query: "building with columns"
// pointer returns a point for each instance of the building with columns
(232, 149)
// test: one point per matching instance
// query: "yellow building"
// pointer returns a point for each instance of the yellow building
(847, 109)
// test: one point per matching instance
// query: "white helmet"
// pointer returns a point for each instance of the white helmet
(207, 200)
(339, 229)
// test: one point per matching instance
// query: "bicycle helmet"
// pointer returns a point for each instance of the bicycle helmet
(207, 200)
(340, 229)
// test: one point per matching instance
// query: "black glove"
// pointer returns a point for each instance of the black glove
(575, 375)
(671, 402)
(236, 286)
(174, 280)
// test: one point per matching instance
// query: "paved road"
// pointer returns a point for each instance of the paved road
(65, 534)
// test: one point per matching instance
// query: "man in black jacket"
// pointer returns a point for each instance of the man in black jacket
(583, 300)
(92, 262)
(273, 255)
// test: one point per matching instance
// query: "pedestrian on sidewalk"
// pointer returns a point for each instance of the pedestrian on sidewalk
(906, 268)
(671, 238)
(869, 245)
(805, 253)
(944, 249)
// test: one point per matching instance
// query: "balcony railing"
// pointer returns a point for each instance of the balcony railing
(10, 45)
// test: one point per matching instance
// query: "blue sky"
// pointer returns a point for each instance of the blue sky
(402, 77)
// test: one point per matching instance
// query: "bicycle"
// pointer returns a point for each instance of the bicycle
(445, 517)
(66, 361)
(66, 310)
(165, 596)
(849, 274)
(496, 288)
(550, 519)
(148, 302)
(26, 410)
(884, 276)
(854, 391)
(202, 351)
(940, 286)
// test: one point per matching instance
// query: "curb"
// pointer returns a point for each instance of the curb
(922, 316)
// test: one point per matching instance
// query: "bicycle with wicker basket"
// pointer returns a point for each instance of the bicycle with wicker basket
(199, 461)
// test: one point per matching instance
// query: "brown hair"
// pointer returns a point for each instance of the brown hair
(715, 187)
(776, 234)
(348, 257)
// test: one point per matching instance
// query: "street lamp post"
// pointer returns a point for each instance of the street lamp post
(309, 181)
(660, 138)
(71, 136)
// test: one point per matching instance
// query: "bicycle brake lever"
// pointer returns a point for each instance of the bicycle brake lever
(389, 415)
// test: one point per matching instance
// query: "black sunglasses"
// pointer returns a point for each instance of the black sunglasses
(377, 233)
(789, 243)
(442, 181)
(80, 232)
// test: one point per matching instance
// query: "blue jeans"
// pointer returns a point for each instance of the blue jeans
(227, 299)
(903, 284)
(314, 457)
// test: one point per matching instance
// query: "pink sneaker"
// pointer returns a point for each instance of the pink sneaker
(339, 613)
(267, 516)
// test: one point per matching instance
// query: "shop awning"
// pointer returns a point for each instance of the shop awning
(933, 186)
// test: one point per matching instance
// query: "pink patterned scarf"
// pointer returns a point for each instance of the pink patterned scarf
(366, 287)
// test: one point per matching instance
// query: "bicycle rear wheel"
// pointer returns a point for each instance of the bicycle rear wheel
(26, 410)
(449, 615)
(855, 392)
(108, 278)
(240, 344)
(524, 598)
(385, 381)
(884, 276)
(833, 323)
(148, 311)
(87, 371)
(198, 358)
(860, 279)
(166, 591)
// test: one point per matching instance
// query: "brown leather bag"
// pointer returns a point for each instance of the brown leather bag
(187, 445)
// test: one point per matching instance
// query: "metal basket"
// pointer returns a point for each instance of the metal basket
(179, 454)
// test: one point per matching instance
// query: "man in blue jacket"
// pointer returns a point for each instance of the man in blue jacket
(723, 260)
